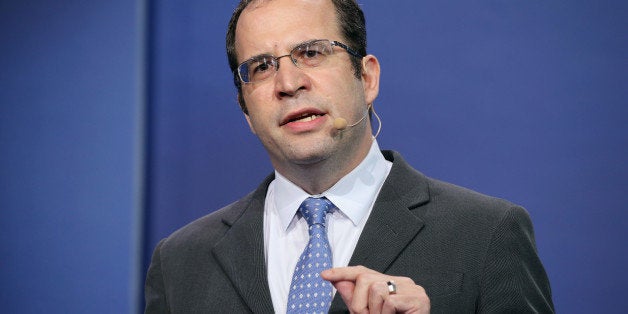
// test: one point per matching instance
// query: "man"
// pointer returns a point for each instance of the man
(397, 240)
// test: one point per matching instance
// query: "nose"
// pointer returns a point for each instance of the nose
(288, 55)
(289, 79)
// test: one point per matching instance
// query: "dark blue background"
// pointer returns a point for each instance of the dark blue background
(71, 155)
(109, 145)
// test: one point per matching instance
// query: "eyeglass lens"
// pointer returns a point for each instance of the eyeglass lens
(308, 54)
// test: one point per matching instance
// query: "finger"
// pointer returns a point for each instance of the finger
(362, 291)
(345, 289)
(378, 293)
(412, 300)
(345, 273)
(403, 304)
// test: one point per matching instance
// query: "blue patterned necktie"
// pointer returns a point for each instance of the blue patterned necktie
(309, 293)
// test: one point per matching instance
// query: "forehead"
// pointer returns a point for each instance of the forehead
(273, 26)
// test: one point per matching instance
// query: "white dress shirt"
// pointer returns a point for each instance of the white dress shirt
(286, 234)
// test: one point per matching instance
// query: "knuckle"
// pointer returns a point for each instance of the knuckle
(361, 269)
(405, 281)
(362, 278)
(356, 309)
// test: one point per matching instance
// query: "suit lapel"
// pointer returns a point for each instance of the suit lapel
(389, 229)
(391, 224)
(241, 253)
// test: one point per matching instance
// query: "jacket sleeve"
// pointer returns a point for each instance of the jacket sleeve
(154, 288)
(514, 280)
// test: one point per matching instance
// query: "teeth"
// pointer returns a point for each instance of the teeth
(308, 118)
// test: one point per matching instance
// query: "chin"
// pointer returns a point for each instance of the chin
(310, 155)
(308, 159)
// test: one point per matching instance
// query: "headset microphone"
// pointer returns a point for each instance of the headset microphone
(341, 124)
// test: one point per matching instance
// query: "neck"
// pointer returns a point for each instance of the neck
(319, 176)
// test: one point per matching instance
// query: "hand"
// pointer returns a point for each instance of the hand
(366, 291)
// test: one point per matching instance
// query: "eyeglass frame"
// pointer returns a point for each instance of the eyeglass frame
(275, 60)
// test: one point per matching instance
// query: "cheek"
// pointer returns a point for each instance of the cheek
(253, 93)
(347, 92)
(261, 119)
(342, 82)
(254, 107)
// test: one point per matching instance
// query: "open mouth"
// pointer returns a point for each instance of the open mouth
(306, 117)
(303, 116)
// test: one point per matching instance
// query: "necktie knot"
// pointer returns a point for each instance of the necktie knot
(315, 209)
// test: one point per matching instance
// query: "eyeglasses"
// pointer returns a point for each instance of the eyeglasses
(309, 54)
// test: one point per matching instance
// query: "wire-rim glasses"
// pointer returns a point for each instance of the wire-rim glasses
(309, 54)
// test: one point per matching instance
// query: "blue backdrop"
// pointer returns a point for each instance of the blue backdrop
(524, 100)
(71, 134)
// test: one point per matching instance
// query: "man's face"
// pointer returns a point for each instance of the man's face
(293, 111)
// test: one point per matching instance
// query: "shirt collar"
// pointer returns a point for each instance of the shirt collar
(353, 195)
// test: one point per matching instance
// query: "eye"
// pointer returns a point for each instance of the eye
(312, 53)
(260, 65)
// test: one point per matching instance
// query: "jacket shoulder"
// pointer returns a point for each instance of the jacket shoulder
(207, 230)
(459, 198)
(422, 192)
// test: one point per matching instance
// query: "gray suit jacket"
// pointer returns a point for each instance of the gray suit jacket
(472, 253)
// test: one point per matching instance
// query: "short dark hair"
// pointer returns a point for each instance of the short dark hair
(352, 26)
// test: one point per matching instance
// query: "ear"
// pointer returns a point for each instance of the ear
(246, 116)
(370, 78)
